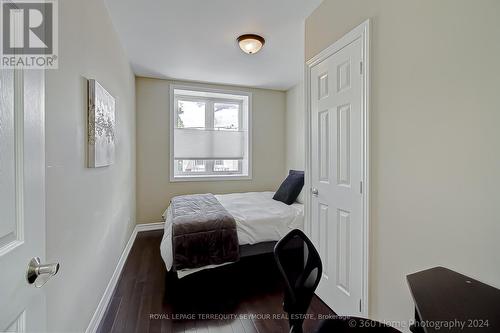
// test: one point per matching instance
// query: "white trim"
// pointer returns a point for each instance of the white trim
(108, 293)
(206, 178)
(149, 226)
(362, 31)
(215, 177)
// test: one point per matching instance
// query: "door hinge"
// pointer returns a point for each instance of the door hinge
(361, 187)
(361, 67)
(360, 306)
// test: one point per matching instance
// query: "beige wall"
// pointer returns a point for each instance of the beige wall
(435, 137)
(154, 189)
(90, 212)
(295, 130)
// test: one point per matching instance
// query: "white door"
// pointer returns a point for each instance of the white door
(22, 198)
(336, 151)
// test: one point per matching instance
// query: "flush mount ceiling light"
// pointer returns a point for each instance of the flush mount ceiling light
(251, 43)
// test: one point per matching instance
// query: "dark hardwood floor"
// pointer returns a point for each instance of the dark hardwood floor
(241, 297)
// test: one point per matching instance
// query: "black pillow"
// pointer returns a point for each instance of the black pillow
(296, 172)
(290, 188)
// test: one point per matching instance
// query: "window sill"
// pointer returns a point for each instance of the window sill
(206, 178)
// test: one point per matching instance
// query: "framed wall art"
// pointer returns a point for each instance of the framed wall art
(101, 126)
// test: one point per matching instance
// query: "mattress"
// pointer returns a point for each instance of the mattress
(258, 217)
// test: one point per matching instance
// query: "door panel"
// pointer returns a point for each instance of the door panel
(323, 232)
(22, 198)
(323, 85)
(10, 224)
(336, 161)
(324, 146)
(343, 250)
(343, 145)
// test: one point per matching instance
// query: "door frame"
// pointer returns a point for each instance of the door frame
(362, 32)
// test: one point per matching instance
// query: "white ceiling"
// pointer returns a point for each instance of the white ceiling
(196, 39)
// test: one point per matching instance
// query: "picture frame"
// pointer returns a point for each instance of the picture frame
(101, 126)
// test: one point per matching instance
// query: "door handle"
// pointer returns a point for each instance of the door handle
(314, 191)
(39, 274)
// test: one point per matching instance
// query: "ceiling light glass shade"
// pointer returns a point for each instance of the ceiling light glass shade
(250, 43)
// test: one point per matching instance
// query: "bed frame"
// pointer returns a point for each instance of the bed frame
(172, 278)
(249, 250)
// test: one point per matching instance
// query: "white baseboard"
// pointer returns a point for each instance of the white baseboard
(106, 297)
(149, 226)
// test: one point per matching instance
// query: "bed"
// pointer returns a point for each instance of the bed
(260, 222)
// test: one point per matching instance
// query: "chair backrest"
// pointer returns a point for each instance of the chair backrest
(301, 268)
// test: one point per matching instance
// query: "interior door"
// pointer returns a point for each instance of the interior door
(22, 198)
(336, 174)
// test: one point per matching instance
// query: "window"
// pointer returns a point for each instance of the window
(210, 134)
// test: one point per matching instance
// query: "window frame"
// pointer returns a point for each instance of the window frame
(209, 120)
(209, 124)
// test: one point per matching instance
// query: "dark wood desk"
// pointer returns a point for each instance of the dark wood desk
(444, 297)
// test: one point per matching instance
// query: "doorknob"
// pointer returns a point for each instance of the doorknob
(39, 274)
(314, 191)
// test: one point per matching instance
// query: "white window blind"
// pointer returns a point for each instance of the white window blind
(205, 144)
(210, 134)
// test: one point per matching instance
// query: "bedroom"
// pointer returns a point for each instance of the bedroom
(429, 78)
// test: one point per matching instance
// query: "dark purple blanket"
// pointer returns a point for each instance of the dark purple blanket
(203, 232)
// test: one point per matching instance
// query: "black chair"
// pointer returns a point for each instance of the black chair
(301, 267)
